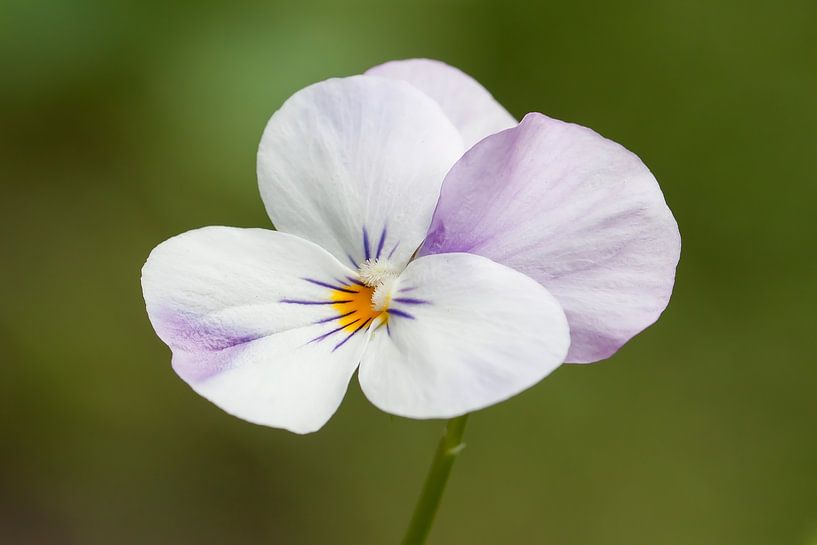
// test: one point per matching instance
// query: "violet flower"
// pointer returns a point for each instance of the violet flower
(453, 281)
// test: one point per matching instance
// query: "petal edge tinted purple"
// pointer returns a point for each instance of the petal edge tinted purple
(468, 105)
(573, 210)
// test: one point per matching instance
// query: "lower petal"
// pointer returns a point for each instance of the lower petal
(283, 380)
(259, 322)
(462, 333)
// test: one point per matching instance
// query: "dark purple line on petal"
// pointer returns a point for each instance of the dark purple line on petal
(366, 243)
(354, 281)
(411, 301)
(334, 318)
(217, 345)
(388, 329)
(322, 337)
(401, 313)
(394, 249)
(330, 286)
(381, 243)
(352, 334)
(410, 288)
(297, 302)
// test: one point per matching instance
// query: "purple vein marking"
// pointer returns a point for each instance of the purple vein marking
(410, 288)
(331, 318)
(217, 345)
(388, 329)
(393, 250)
(352, 334)
(366, 243)
(410, 301)
(322, 337)
(330, 286)
(401, 313)
(352, 261)
(355, 281)
(298, 302)
(381, 243)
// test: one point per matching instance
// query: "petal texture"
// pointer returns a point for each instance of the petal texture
(573, 210)
(355, 165)
(463, 333)
(468, 104)
(246, 313)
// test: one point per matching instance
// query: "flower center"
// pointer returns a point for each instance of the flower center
(379, 274)
(353, 303)
(382, 294)
(373, 272)
(360, 303)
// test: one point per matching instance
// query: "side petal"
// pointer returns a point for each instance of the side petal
(462, 333)
(355, 165)
(468, 104)
(252, 320)
(573, 210)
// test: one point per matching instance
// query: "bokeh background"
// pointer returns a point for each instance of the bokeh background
(123, 123)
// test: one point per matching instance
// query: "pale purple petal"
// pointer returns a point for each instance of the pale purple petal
(468, 105)
(575, 211)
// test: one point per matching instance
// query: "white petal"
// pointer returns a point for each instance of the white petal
(355, 165)
(463, 333)
(243, 311)
(470, 107)
(283, 380)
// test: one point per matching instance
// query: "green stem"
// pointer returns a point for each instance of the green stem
(450, 446)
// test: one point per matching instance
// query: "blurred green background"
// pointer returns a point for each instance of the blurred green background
(126, 123)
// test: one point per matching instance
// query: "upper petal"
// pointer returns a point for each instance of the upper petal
(577, 212)
(462, 333)
(250, 318)
(468, 104)
(355, 165)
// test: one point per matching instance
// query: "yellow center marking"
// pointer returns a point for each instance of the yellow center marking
(355, 308)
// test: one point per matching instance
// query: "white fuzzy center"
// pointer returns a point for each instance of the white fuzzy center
(374, 271)
(381, 275)
(382, 294)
